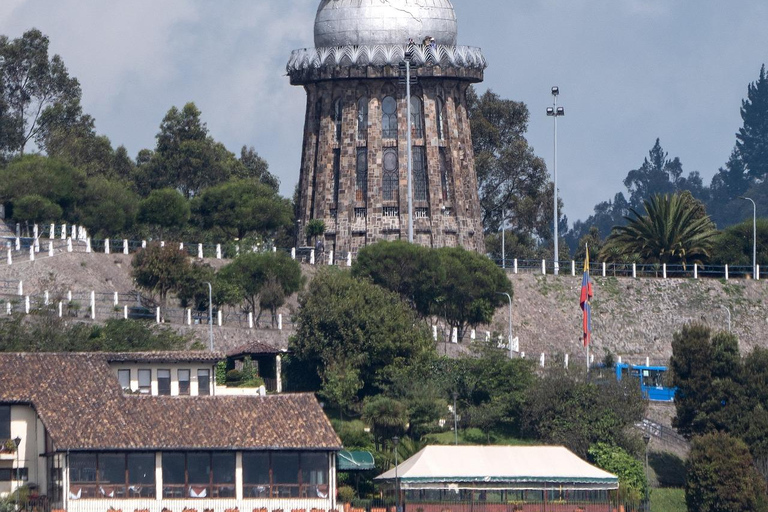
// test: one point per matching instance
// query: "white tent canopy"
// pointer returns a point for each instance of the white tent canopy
(499, 467)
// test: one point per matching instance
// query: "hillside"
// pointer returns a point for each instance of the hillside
(633, 318)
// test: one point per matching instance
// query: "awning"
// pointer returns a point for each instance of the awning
(354, 461)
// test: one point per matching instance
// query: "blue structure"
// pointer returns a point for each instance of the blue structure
(651, 380)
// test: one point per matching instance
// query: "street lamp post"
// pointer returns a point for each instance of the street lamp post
(554, 111)
(503, 242)
(754, 235)
(396, 441)
(509, 331)
(406, 66)
(210, 314)
(17, 442)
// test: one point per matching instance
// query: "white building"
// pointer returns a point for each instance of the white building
(148, 431)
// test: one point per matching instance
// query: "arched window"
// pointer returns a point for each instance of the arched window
(440, 105)
(417, 117)
(389, 118)
(389, 178)
(337, 118)
(419, 174)
(362, 118)
(361, 175)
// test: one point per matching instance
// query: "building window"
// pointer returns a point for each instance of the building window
(203, 382)
(337, 115)
(421, 213)
(419, 174)
(445, 181)
(145, 382)
(390, 178)
(112, 475)
(362, 118)
(199, 475)
(14, 474)
(183, 376)
(389, 118)
(163, 382)
(361, 213)
(5, 423)
(124, 378)
(440, 107)
(417, 117)
(391, 211)
(336, 174)
(361, 175)
(285, 475)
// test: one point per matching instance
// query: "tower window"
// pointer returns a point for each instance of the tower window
(419, 174)
(362, 118)
(445, 181)
(417, 117)
(336, 173)
(337, 112)
(389, 118)
(361, 175)
(440, 106)
(390, 175)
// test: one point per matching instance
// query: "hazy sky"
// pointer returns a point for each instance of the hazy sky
(628, 71)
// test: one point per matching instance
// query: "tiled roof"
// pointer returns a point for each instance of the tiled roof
(82, 406)
(193, 356)
(254, 347)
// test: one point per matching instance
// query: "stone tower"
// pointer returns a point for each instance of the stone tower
(355, 152)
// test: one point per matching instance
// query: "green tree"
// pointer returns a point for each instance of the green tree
(733, 245)
(256, 168)
(752, 137)
(343, 319)
(721, 476)
(410, 270)
(242, 207)
(165, 209)
(108, 207)
(37, 91)
(49, 178)
(160, 269)
(35, 208)
(250, 273)
(386, 416)
(708, 374)
(727, 185)
(471, 291)
(673, 230)
(314, 229)
(562, 409)
(632, 483)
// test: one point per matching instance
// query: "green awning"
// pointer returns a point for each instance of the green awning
(354, 461)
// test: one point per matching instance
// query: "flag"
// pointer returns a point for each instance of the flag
(586, 294)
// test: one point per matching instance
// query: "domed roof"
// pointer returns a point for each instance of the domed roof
(371, 22)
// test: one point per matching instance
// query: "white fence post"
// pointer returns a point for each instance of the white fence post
(757, 272)
(18, 243)
(157, 314)
(250, 319)
(573, 268)
(330, 257)
(181, 246)
(434, 332)
(218, 251)
(10, 257)
(26, 304)
(454, 335)
(61, 309)
(200, 251)
(31, 253)
(116, 299)
(695, 270)
(312, 257)
(349, 259)
(542, 359)
(664, 270)
(74, 232)
(125, 312)
(566, 361)
(634, 271)
(69, 244)
(472, 334)
(280, 322)
(106, 246)
(143, 244)
(52, 232)
(125, 246)
(88, 244)
(93, 305)
(515, 264)
(189, 316)
(726, 272)
(487, 335)
(46, 298)
(21, 288)
(604, 269)
(9, 308)
(63, 231)
(219, 318)
(50, 248)
(543, 267)
(293, 253)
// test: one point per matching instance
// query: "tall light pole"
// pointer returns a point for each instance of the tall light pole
(210, 314)
(509, 331)
(646, 439)
(555, 112)
(503, 242)
(754, 236)
(406, 64)
(396, 441)
(17, 442)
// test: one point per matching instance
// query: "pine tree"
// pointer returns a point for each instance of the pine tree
(752, 138)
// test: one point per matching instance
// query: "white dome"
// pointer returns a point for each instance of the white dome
(371, 22)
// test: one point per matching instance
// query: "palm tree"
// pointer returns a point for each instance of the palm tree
(675, 229)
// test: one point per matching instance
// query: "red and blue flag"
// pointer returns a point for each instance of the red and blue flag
(586, 295)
